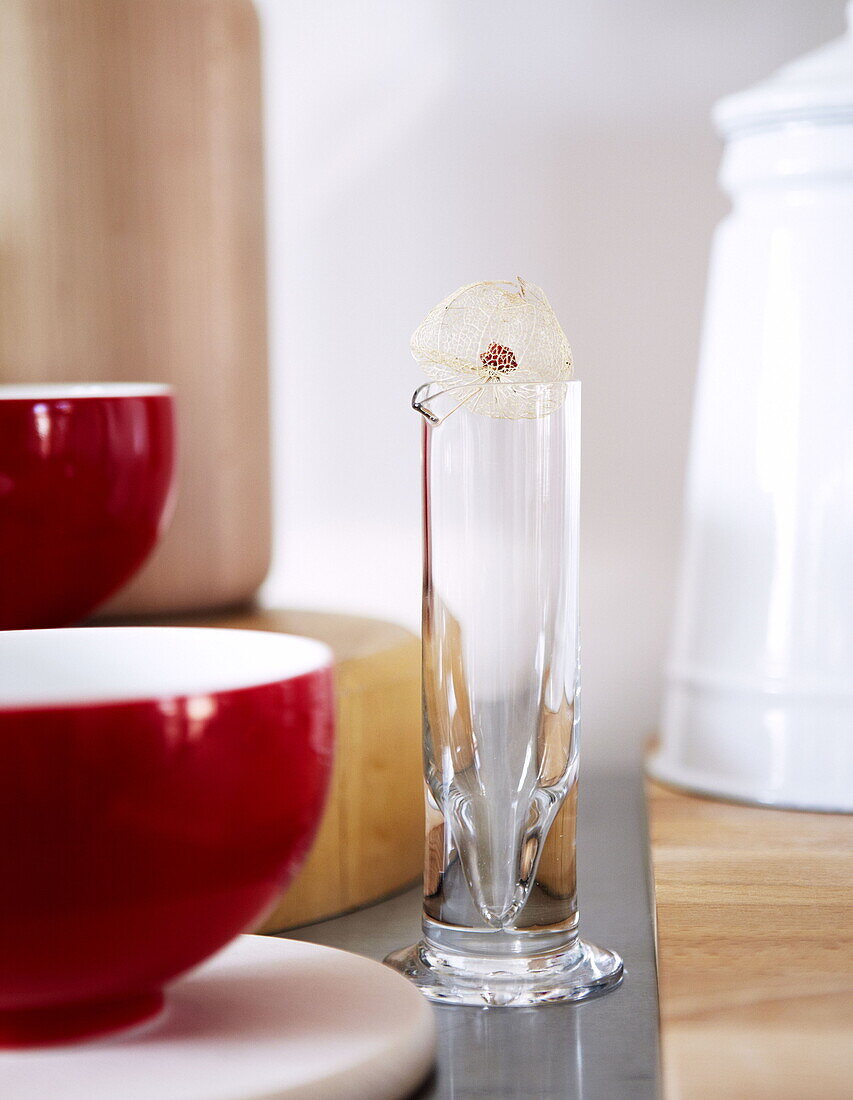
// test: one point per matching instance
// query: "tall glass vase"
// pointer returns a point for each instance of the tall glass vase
(501, 693)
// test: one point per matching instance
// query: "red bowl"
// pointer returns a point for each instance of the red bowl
(85, 479)
(159, 787)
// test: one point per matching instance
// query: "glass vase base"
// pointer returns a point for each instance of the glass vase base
(575, 974)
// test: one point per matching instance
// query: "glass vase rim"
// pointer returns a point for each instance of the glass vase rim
(555, 393)
(485, 383)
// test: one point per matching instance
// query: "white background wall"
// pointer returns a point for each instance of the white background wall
(416, 146)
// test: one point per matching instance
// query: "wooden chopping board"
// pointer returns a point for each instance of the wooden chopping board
(133, 250)
(755, 949)
(370, 842)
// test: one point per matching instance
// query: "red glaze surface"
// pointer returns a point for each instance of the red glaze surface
(84, 487)
(137, 838)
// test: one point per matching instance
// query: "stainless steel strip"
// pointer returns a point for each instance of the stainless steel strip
(605, 1049)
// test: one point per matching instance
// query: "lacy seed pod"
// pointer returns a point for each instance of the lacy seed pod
(499, 339)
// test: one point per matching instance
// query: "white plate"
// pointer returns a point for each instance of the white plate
(265, 1019)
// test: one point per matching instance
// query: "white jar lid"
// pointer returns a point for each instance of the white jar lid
(816, 88)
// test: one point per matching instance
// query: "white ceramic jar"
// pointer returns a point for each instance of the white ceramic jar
(759, 689)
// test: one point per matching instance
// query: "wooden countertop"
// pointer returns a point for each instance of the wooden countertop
(755, 949)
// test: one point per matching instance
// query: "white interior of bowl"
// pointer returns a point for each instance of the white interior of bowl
(109, 664)
(58, 391)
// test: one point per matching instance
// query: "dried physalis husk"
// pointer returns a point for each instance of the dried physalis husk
(501, 340)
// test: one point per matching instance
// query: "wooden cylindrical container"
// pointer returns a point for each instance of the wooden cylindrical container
(131, 197)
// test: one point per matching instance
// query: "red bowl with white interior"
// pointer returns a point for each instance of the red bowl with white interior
(159, 787)
(86, 475)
